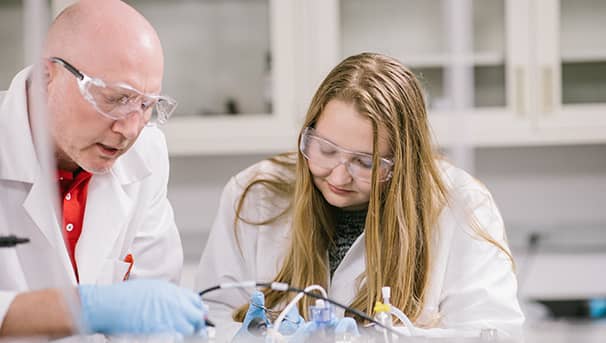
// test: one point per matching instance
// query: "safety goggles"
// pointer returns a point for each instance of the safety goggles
(327, 155)
(118, 101)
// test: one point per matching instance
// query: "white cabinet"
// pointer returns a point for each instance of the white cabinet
(536, 68)
(230, 65)
(570, 68)
(534, 71)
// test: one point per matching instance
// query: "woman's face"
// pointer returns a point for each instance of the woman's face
(341, 124)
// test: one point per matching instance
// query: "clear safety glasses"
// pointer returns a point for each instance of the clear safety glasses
(328, 155)
(118, 101)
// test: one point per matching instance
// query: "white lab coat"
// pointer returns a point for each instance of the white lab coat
(127, 212)
(472, 283)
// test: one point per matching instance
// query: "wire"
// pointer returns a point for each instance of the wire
(243, 284)
(284, 287)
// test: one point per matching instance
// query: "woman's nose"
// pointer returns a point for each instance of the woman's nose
(340, 175)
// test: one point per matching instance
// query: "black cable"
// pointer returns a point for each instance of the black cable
(313, 295)
(11, 241)
(214, 288)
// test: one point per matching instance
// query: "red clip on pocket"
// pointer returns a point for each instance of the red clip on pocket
(130, 260)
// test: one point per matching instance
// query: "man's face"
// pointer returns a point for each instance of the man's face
(84, 137)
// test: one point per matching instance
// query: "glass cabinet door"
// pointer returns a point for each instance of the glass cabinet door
(409, 30)
(218, 54)
(416, 33)
(489, 53)
(582, 41)
(12, 41)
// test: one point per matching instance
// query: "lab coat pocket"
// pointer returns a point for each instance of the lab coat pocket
(113, 271)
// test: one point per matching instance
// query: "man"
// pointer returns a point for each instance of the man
(102, 67)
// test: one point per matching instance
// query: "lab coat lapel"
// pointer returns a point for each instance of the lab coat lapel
(19, 163)
(108, 208)
(40, 210)
(18, 157)
(38, 206)
(345, 277)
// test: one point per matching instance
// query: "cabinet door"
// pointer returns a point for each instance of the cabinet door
(12, 41)
(501, 114)
(229, 65)
(463, 52)
(571, 69)
(409, 30)
(412, 31)
(490, 52)
(582, 42)
(425, 36)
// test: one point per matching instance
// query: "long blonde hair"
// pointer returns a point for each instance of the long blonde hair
(402, 213)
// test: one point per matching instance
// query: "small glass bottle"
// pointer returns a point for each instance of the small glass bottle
(383, 316)
(322, 316)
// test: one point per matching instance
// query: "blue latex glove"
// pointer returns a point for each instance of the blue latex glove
(597, 308)
(330, 331)
(256, 316)
(345, 326)
(141, 307)
(292, 322)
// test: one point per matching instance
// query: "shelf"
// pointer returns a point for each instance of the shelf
(496, 127)
(486, 128)
(228, 135)
(583, 56)
(490, 58)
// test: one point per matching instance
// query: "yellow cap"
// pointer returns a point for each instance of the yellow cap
(380, 307)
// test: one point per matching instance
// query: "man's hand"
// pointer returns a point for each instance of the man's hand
(141, 307)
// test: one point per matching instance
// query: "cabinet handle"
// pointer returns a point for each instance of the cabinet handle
(547, 80)
(520, 95)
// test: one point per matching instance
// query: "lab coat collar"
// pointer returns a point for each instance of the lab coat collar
(353, 263)
(19, 162)
(18, 158)
(131, 167)
(108, 208)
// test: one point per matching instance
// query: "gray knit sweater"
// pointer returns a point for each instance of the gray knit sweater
(349, 225)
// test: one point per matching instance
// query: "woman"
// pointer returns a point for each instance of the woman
(366, 203)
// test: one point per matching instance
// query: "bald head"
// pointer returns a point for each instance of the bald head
(108, 39)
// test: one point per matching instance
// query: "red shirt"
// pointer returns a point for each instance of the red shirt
(73, 188)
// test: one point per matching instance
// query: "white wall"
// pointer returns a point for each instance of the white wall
(547, 187)
(194, 190)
